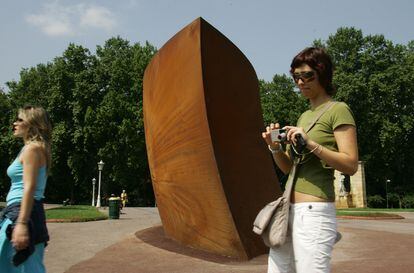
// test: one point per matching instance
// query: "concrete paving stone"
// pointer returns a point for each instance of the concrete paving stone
(136, 244)
(71, 243)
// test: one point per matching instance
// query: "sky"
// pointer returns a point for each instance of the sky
(268, 32)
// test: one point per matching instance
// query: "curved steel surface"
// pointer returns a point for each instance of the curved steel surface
(211, 170)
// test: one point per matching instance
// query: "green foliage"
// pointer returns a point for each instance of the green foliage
(95, 103)
(408, 201)
(394, 200)
(5, 129)
(280, 102)
(376, 79)
(375, 201)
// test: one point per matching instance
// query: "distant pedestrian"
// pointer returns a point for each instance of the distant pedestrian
(23, 232)
(124, 198)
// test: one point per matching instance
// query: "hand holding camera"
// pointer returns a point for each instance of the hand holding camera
(297, 137)
(275, 135)
(271, 134)
(278, 135)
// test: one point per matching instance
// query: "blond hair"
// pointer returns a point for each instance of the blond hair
(39, 129)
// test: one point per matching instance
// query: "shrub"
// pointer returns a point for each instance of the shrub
(408, 201)
(376, 201)
(394, 200)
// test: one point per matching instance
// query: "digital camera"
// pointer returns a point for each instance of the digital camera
(278, 135)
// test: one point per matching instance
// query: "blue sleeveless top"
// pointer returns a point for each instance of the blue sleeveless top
(15, 172)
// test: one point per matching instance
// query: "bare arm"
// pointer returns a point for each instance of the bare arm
(283, 161)
(32, 158)
(346, 159)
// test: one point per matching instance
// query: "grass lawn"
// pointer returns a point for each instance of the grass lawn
(372, 213)
(366, 214)
(381, 210)
(74, 214)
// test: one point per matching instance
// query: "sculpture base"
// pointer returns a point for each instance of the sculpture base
(344, 202)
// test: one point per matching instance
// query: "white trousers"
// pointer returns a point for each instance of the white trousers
(310, 241)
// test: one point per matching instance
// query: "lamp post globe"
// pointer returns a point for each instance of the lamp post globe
(100, 168)
(93, 191)
(100, 165)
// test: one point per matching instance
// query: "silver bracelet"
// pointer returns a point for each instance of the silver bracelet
(275, 151)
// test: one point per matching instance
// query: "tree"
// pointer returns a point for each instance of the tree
(5, 138)
(95, 103)
(118, 124)
(375, 77)
(280, 102)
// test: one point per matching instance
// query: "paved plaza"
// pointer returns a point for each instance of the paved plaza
(135, 243)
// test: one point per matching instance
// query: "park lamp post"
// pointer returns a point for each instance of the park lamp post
(386, 190)
(93, 191)
(100, 168)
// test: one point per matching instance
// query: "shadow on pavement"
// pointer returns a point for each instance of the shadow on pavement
(155, 236)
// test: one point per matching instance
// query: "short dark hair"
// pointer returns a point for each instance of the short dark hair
(318, 60)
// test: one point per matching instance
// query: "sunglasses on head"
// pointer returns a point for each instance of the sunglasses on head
(304, 76)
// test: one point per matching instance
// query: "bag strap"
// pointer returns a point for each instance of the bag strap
(289, 183)
(326, 108)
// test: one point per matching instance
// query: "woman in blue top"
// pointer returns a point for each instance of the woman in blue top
(23, 232)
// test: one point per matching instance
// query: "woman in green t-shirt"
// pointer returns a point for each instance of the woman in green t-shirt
(331, 144)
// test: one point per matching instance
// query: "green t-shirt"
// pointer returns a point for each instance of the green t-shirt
(314, 176)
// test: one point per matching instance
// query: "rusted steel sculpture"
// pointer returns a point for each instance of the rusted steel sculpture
(211, 170)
